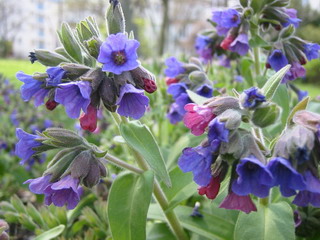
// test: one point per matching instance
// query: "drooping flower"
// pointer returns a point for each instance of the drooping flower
(88, 121)
(236, 202)
(252, 98)
(240, 45)
(311, 50)
(197, 160)
(174, 67)
(181, 101)
(174, 115)
(226, 19)
(296, 71)
(197, 118)
(55, 76)
(170, 81)
(25, 145)
(212, 189)
(132, 102)
(217, 133)
(32, 88)
(253, 178)
(205, 90)
(277, 60)
(119, 54)
(311, 195)
(302, 94)
(176, 89)
(286, 176)
(225, 44)
(74, 96)
(292, 19)
(203, 49)
(39, 185)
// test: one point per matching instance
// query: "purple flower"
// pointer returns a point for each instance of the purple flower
(74, 96)
(176, 89)
(173, 115)
(226, 19)
(55, 75)
(297, 218)
(132, 102)
(236, 202)
(47, 123)
(224, 61)
(286, 176)
(252, 98)
(240, 45)
(253, 177)
(182, 101)
(238, 79)
(296, 71)
(217, 133)
(14, 118)
(25, 145)
(312, 50)
(66, 191)
(301, 94)
(32, 88)
(205, 90)
(175, 67)
(277, 60)
(119, 54)
(311, 195)
(203, 48)
(197, 160)
(292, 19)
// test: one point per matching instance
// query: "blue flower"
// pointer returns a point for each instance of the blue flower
(119, 54)
(55, 76)
(312, 193)
(240, 45)
(25, 145)
(176, 89)
(277, 60)
(74, 96)
(175, 67)
(132, 102)
(205, 90)
(292, 18)
(217, 133)
(32, 88)
(286, 176)
(181, 101)
(203, 49)
(174, 115)
(14, 118)
(296, 71)
(253, 177)
(301, 94)
(238, 79)
(226, 19)
(252, 98)
(312, 50)
(197, 160)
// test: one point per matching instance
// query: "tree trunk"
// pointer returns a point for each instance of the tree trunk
(164, 26)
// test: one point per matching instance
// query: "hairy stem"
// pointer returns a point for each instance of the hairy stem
(118, 162)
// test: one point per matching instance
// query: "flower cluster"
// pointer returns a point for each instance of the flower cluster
(119, 84)
(75, 164)
(180, 78)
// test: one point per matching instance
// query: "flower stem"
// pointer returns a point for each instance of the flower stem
(123, 164)
(256, 54)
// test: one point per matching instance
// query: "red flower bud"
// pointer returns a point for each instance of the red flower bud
(225, 44)
(149, 85)
(51, 105)
(170, 81)
(268, 65)
(88, 121)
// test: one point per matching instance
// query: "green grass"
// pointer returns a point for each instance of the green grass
(9, 68)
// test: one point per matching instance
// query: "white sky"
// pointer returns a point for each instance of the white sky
(315, 4)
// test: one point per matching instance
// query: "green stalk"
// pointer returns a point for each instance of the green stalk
(256, 55)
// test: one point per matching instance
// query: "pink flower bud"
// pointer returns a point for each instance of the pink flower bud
(88, 121)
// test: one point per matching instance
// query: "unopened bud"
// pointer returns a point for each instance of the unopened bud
(144, 79)
(198, 77)
(232, 118)
(60, 137)
(93, 46)
(265, 115)
(108, 93)
(49, 58)
(88, 121)
(307, 119)
(115, 18)
(221, 104)
(74, 70)
(51, 104)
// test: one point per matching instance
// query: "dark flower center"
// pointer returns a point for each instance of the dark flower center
(235, 18)
(119, 57)
(251, 166)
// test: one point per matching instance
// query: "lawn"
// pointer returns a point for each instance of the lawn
(9, 68)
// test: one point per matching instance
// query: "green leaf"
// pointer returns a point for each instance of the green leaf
(140, 138)
(36, 216)
(49, 58)
(257, 41)
(196, 98)
(17, 204)
(160, 231)
(182, 188)
(129, 199)
(274, 221)
(302, 105)
(51, 234)
(281, 97)
(245, 70)
(274, 81)
(210, 226)
(70, 43)
(176, 150)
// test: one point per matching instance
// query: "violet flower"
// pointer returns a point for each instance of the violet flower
(292, 19)
(174, 115)
(25, 145)
(312, 51)
(236, 202)
(119, 54)
(205, 90)
(286, 176)
(277, 60)
(203, 49)
(253, 177)
(197, 160)
(176, 89)
(174, 67)
(132, 102)
(197, 118)
(252, 98)
(74, 96)
(217, 133)
(32, 88)
(296, 71)
(240, 45)
(225, 20)
(55, 76)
